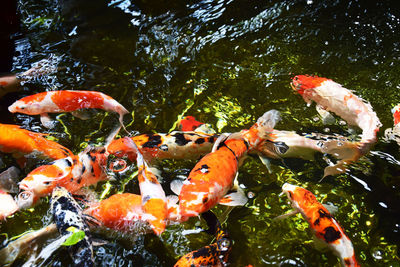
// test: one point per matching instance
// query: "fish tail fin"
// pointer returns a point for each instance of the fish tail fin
(266, 123)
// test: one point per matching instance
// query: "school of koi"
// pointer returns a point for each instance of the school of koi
(212, 180)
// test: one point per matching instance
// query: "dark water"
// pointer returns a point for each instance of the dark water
(226, 62)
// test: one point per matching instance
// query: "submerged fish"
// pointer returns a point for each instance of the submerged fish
(324, 226)
(215, 254)
(154, 201)
(20, 142)
(394, 133)
(175, 145)
(213, 176)
(73, 173)
(8, 205)
(65, 101)
(188, 123)
(67, 213)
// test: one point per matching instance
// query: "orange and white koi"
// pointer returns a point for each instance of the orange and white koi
(8, 206)
(20, 142)
(331, 96)
(65, 101)
(154, 201)
(73, 173)
(175, 145)
(213, 176)
(124, 212)
(215, 254)
(324, 226)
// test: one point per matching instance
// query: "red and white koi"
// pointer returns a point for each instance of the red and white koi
(188, 124)
(65, 101)
(324, 226)
(394, 133)
(154, 201)
(332, 96)
(213, 176)
(20, 142)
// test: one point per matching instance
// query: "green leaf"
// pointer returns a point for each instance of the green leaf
(75, 237)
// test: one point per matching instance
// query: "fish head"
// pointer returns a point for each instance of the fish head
(300, 198)
(293, 194)
(304, 83)
(120, 149)
(25, 107)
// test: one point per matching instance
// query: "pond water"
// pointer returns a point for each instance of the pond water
(225, 62)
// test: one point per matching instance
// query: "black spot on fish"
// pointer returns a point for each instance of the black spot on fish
(246, 144)
(331, 234)
(347, 262)
(69, 163)
(323, 214)
(203, 169)
(211, 139)
(203, 252)
(46, 183)
(92, 157)
(164, 147)
(205, 199)
(180, 139)
(72, 179)
(145, 199)
(79, 180)
(154, 141)
(83, 169)
(317, 221)
(200, 141)
(92, 170)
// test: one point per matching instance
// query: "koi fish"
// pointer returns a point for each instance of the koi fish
(154, 201)
(73, 173)
(19, 142)
(175, 145)
(188, 124)
(213, 176)
(287, 144)
(8, 205)
(65, 101)
(67, 213)
(324, 226)
(215, 254)
(331, 96)
(124, 212)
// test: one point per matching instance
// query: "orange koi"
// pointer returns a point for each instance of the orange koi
(331, 96)
(124, 212)
(213, 176)
(8, 205)
(324, 226)
(73, 173)
(65, 101)
(394, 133)
(154, 201)
(19, 142)
(188, 123)
(215, 254)
(175, 145)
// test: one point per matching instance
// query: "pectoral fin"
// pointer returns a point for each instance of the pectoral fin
(81, 114)
(286, 215)
(327, 118)
(266, 162)
(47, 121)
(176, 186)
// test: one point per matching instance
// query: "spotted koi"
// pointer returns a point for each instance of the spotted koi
(20, 142)
(213, 176)
(65, 101)
(67, 213)
(73, 173)
(324, 226)
(175, 145)
(215, 254)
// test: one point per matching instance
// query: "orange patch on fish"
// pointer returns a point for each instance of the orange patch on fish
(70, 100)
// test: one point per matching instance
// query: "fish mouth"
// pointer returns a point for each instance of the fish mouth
(25, 199)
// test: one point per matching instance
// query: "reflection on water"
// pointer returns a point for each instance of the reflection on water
(227, 62)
